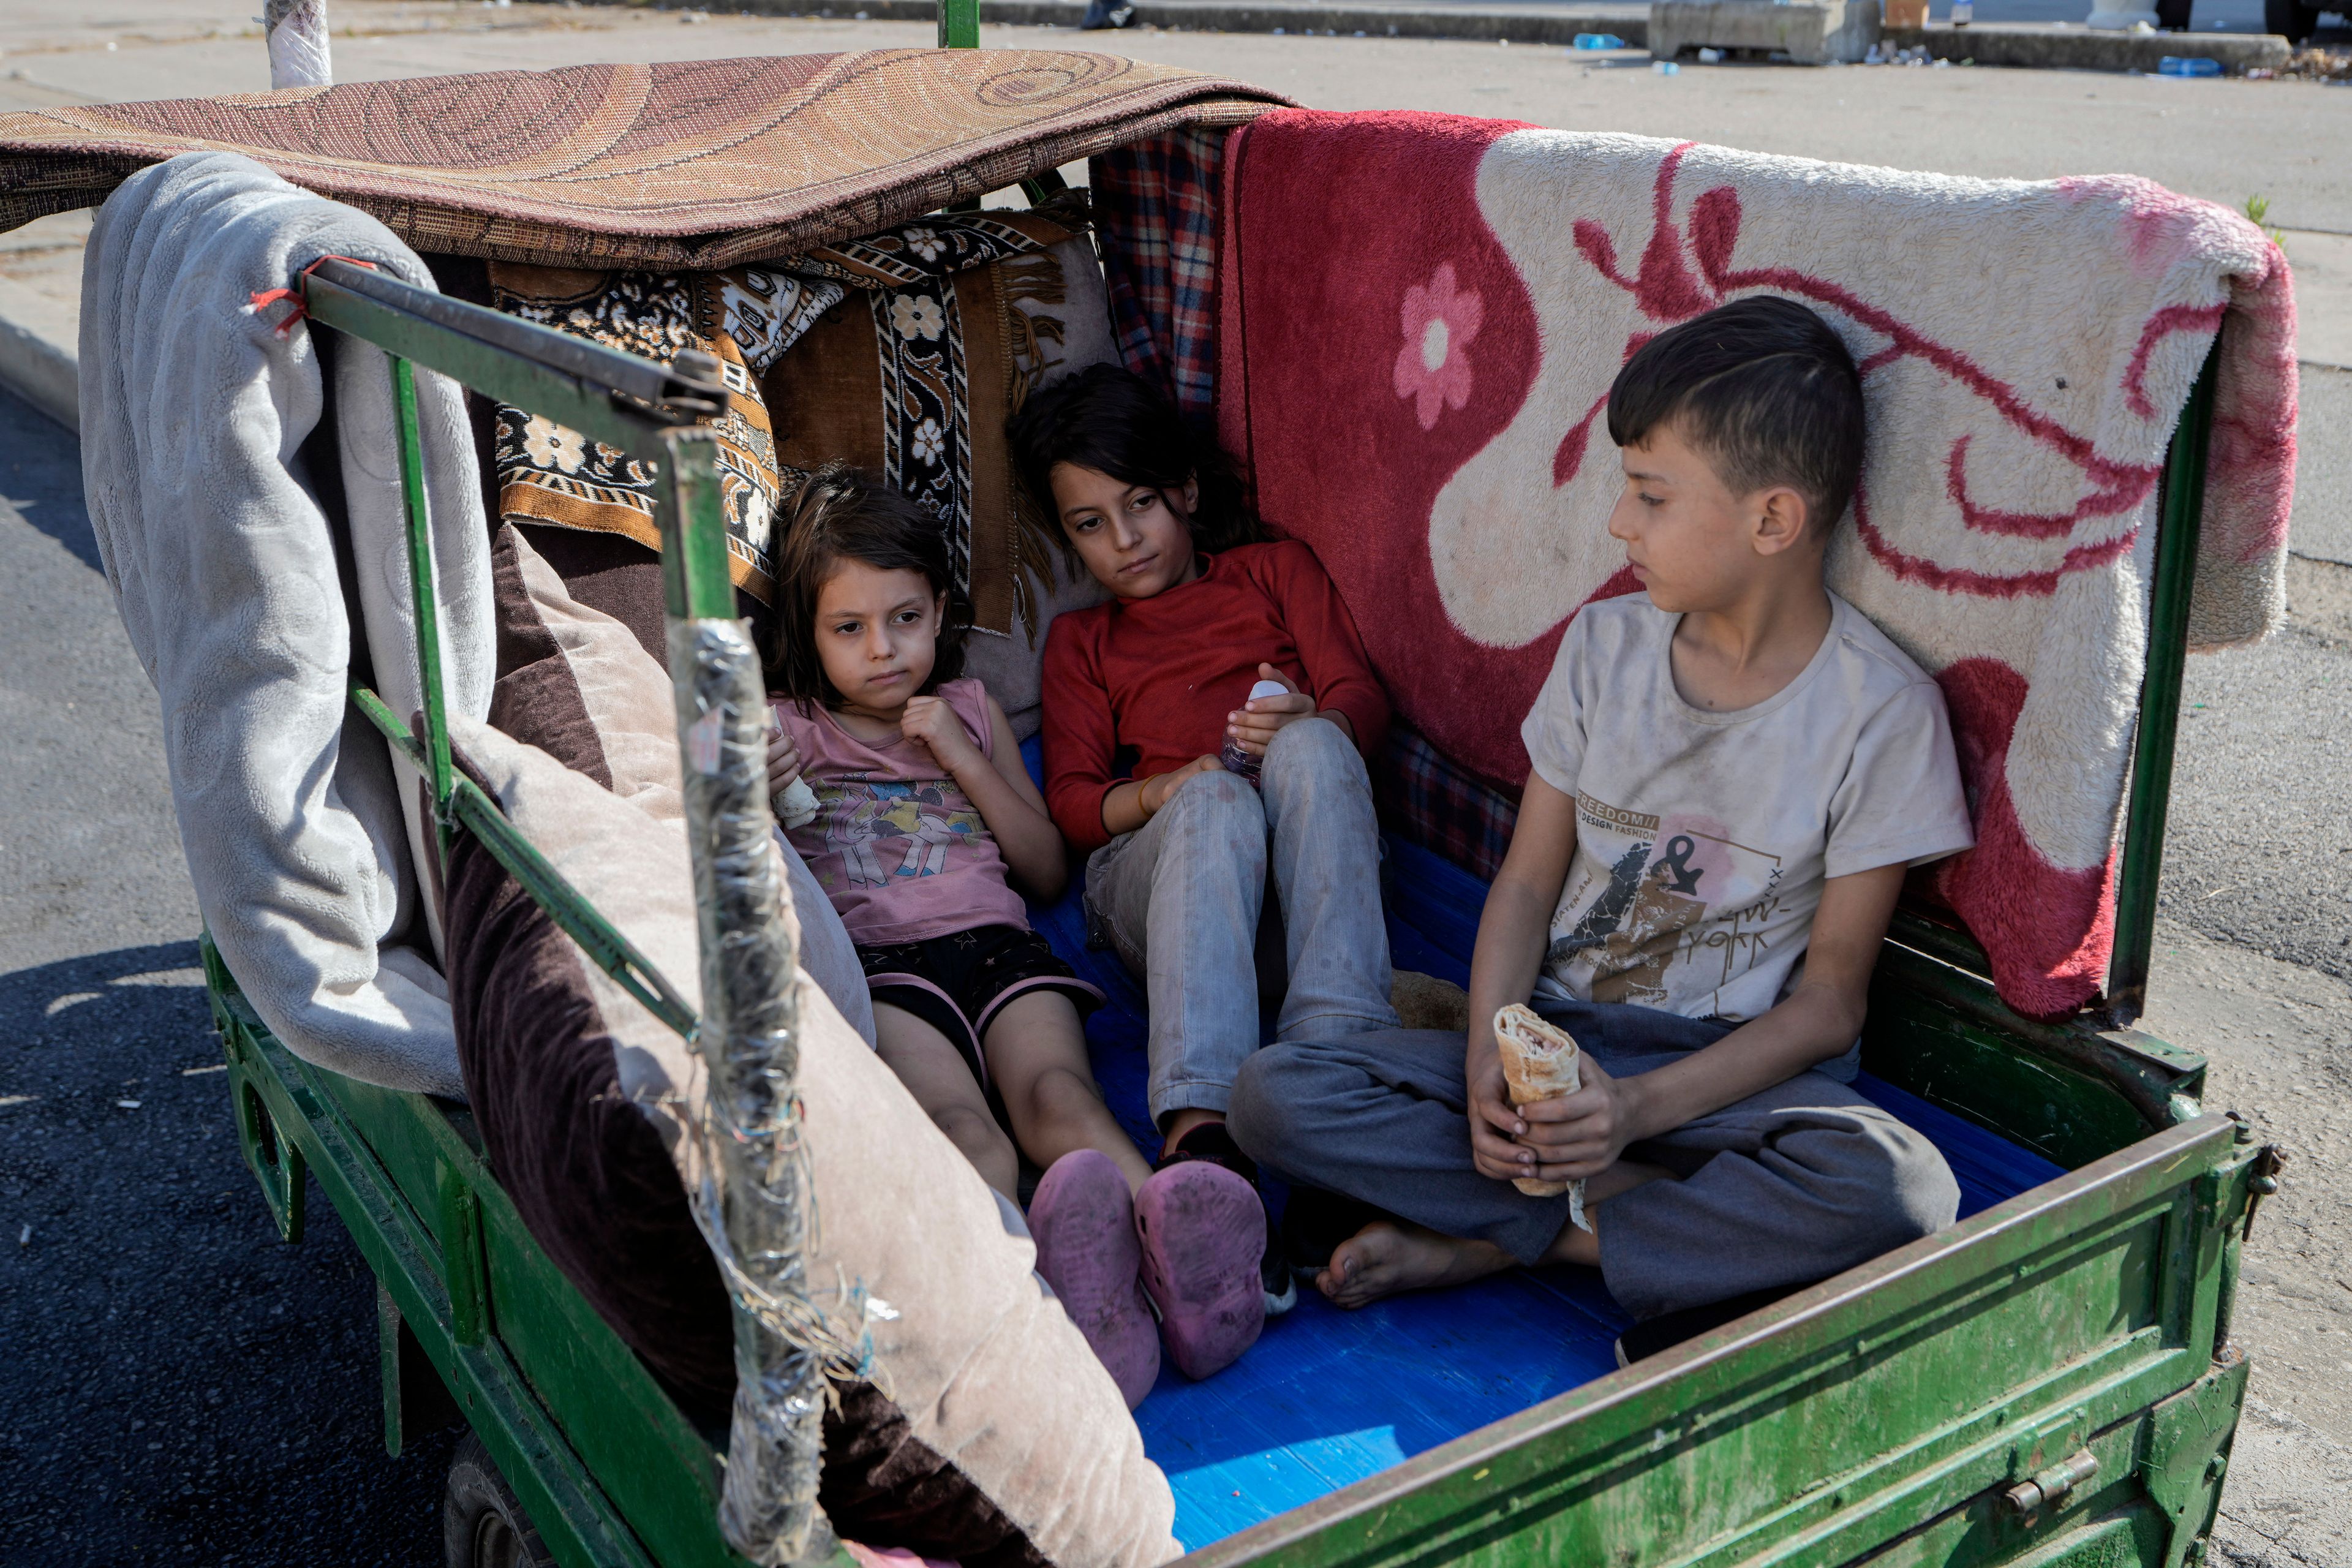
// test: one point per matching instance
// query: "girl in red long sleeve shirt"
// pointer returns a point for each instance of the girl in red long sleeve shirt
(1141, 695)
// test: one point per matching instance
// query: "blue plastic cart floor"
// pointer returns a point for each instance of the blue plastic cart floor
(1326, 1398)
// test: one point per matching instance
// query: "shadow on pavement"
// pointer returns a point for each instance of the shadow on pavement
(177, 1385)
(40, 476)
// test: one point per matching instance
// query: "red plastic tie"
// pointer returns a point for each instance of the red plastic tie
(271, 297)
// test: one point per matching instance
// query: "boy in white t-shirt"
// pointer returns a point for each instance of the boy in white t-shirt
(1731, 775)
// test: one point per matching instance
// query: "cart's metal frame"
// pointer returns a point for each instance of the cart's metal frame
(2048, 1381)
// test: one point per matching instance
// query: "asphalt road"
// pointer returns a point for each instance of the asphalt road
(2260, 849)
(177, 1384)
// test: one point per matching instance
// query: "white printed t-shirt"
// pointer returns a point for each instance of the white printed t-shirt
(1703, 839)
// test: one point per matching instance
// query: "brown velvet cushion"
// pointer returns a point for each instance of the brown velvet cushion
(585, 1169)
(608, 573)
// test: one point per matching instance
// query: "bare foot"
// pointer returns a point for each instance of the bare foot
(1387, 1257)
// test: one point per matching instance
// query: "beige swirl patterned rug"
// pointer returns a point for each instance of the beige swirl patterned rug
(702, 164)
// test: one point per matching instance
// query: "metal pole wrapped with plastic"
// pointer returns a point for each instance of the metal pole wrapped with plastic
(295, 32)
(756, 1207)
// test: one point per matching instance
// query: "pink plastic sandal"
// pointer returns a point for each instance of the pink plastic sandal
(1084, 1224)
(1203, 1231)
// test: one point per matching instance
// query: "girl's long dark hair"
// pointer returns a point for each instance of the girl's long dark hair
(841, 513)
(1109, 419)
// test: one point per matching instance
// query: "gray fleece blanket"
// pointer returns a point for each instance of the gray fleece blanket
(211, 430)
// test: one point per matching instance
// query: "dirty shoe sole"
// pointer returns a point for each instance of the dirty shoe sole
(1084, 1224)
(1203, 1233)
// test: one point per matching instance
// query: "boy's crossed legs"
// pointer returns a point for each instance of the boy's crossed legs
(1798, 1181)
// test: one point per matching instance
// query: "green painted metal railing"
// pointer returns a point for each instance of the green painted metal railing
(478, 815)
(531, 366)
(754, 1206)
(2181, 515)
(959, 24)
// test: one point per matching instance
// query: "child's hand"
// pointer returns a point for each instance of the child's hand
(1159, 786)
(930, 721)
(1254, 724)
(1580, 1135)
(1494, 1123)
(785, 763)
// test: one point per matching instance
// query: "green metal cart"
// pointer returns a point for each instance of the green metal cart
(2049, 1383)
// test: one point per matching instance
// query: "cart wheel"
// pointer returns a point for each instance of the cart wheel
(482, 1525)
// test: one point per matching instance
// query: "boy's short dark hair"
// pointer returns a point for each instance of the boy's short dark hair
(1764, 388)
(842, 513)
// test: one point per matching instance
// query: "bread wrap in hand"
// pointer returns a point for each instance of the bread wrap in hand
(1540, 1062)
(796, 805)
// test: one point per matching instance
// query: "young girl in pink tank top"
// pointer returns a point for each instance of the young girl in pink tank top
(927, 822)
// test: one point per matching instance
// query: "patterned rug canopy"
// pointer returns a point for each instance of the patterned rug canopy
(700, 164)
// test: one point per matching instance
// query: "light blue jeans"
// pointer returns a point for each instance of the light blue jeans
(1180, 896)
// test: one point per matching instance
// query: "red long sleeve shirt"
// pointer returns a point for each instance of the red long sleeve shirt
(1150, 680)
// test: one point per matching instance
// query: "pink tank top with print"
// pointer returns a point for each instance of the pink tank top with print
(896, 843)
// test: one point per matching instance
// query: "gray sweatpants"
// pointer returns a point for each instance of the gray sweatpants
(1782, 1188)
(1180, 896)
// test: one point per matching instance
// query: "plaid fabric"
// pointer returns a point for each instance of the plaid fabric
(1431, 801)
(1156, 211)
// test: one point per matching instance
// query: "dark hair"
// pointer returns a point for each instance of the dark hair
(1111, 420)
(1764, 388)
(841, 513)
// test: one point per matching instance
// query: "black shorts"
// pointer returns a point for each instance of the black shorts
(958, 983)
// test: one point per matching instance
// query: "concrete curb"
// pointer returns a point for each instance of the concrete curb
(2053, 46)
(40, 355)
(1516, 24)
(2078, 49)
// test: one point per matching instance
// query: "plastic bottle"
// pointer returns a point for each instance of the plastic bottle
(1665, 67)
(1597, 41)
(1237, 760)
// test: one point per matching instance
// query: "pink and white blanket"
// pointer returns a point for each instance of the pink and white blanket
(1420, 318)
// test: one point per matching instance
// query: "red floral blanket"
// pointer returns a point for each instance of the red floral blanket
(1421, 316)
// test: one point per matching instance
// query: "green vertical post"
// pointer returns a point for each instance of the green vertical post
(755, 1205)
(960, 29)
(2181, 512)
(421, 590)
(691, 507)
